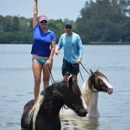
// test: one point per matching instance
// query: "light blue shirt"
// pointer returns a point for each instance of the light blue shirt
(72, 46)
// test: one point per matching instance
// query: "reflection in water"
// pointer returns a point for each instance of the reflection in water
(70, 123)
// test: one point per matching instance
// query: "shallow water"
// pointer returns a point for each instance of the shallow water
(17, 86)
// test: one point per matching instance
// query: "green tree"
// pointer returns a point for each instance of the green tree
(7, 24)
(103, 20)
(16, 25)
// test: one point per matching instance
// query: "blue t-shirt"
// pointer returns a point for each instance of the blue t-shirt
(72, 46)
(42, 41)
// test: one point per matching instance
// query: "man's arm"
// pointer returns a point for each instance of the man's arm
(80, 46)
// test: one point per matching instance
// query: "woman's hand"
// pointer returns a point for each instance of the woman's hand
(48, 62)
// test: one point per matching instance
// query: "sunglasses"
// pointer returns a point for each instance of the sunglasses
(68, 27)
(43, 21)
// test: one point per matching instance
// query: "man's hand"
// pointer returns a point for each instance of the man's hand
(57, 52)
(79, 61)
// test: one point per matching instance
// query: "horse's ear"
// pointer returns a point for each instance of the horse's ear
(97, 70)
(70, 81)
(66, 82)
(92, 72)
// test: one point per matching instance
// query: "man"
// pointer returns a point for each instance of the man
(73, 52)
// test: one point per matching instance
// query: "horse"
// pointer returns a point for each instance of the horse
(44, 115)
(97, 82)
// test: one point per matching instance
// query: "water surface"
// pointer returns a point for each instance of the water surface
(17, 86)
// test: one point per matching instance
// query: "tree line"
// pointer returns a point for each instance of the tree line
(99, 21)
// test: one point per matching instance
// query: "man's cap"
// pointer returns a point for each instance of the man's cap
(68, 24)
(43, 17)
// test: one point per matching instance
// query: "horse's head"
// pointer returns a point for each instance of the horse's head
(72, 98)
(99, 82)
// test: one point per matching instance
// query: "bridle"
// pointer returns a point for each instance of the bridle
(93, 86)
(94, 89)
(75, 106)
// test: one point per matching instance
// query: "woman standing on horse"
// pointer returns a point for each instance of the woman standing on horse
(42, 50)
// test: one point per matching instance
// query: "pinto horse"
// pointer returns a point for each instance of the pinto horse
(97, 82)
(44, 115)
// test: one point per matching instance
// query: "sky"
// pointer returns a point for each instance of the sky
(53, 9)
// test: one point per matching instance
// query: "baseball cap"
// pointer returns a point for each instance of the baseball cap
(68, 24)
(43, 17)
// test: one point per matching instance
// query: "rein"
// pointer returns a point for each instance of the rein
(85, 69)
(52, 79)
(93, 88)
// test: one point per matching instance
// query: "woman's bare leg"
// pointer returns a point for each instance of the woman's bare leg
(46, 75)
(36, 67)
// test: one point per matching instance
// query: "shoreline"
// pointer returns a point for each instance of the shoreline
(90, 43)
(109, 43)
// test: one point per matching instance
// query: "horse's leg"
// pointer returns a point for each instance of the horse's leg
(27, 107)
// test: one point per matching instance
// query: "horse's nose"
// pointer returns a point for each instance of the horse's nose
(84, 113)
(110, 90)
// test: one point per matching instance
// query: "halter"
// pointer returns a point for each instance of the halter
(94, 89)
(75, 106)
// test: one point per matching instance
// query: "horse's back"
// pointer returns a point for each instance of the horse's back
(29, 105)
(26, 109)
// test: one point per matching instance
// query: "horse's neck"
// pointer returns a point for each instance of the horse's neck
(92, 106)
(91, 100)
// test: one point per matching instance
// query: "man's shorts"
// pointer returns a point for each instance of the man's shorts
(68, 68)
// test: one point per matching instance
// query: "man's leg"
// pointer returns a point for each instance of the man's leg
(66, 69)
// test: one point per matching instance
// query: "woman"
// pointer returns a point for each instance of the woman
(42, 50)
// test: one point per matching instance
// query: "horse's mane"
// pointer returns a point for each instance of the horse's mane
(87, 89)
(86, 92)
(97, 73)
(60, 89)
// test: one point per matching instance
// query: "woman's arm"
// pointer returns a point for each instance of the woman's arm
(35, 13)
(49, 61)
(52, 49)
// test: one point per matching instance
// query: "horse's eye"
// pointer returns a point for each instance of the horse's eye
(100, 81)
